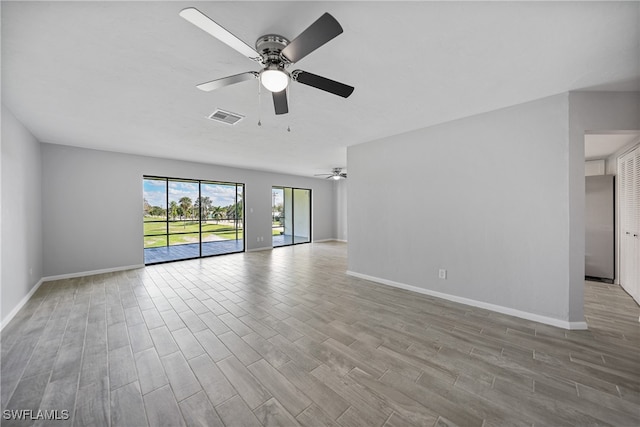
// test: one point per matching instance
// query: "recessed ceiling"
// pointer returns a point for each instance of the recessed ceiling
(602, 145)
(121, 76)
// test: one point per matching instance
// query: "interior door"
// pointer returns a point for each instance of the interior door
(629, 197)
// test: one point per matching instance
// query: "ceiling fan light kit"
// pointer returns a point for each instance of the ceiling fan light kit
(274, 78)
(275, 53)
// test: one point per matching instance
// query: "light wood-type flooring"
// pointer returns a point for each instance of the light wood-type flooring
(285, 337)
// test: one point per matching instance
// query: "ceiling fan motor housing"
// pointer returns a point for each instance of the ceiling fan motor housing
(270, 46)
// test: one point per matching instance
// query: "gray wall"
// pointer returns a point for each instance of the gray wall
(92, 202)
(21, 251)
(485, 197)
(341, 191)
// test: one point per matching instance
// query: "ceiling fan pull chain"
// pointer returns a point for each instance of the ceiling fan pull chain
(289, 103)
(259, 105)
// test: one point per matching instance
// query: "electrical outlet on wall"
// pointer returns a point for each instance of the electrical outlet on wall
(442, 273)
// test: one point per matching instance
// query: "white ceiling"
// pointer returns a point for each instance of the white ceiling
(599, 146)
(121, 76)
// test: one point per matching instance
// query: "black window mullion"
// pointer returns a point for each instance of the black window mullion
(166, 193)
(293, 217)
(200, 215)
(235, 213)
(310, 213)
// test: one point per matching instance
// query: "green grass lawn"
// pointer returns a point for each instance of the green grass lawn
(185, 227)
(155, 241)
(221, 231)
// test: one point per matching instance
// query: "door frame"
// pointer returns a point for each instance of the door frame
(293, 228)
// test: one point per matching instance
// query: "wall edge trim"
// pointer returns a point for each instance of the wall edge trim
(475, 303)
(265, 248)
(91, 272)
(21, 304)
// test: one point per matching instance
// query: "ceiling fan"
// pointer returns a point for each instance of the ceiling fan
(336, 174)
(275, 53)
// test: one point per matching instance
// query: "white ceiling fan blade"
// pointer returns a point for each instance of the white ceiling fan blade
(226, 81)
(206, 24)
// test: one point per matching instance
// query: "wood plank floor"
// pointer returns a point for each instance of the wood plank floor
(285, 337)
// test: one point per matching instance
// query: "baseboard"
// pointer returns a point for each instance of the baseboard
(266, 248)
(329, 240)
(91, 273)
(575, 326)
(21, 304)
(474, 303)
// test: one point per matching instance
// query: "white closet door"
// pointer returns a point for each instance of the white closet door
(635, 226)
(629, 199)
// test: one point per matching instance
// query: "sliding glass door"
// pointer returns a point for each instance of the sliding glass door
(184, 224)
(222, 218)
(186, 218)
(301, 201)
(291, 216)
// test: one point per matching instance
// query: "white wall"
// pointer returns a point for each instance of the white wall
(594, 167)
(92, 202)
(470, 196)
(21, 259)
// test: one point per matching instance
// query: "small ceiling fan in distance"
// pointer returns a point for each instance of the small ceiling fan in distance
(275, 54)
(336, 174)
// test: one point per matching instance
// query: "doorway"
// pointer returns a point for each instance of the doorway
(615, 155)
(290, 216)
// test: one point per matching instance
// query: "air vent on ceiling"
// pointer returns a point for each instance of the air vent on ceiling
(226, 117)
